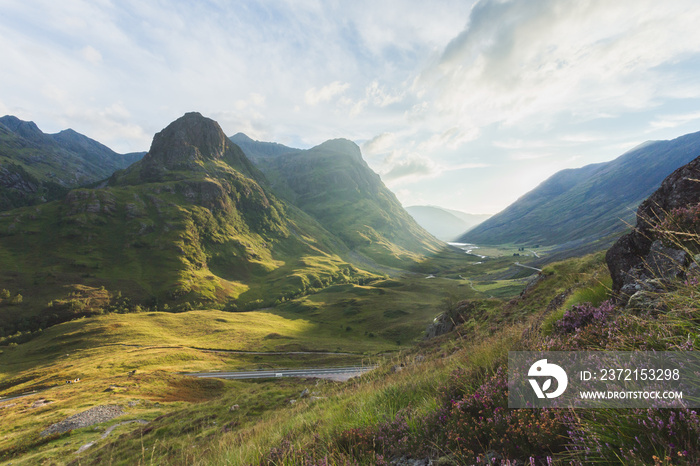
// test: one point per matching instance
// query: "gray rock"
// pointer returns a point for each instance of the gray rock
(634, 249)
(441, 325)
(645, 302)
(304, 393)
(666, 263)
(694, 267)
(639, 280)
(40, 403)
(92, 416)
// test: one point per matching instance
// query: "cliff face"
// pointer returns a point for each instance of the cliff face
(640, 260)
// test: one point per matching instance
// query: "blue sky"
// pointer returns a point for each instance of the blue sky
(462, 104)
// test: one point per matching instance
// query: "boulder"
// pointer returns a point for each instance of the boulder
(665, 262)
(442, 324)
(639, 256)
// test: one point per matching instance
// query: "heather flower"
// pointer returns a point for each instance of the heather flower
(582, 315)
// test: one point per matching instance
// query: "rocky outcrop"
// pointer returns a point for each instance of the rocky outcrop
(640, 261)
(447, 321)
(186, 145)
(442, 324)
(92, 416)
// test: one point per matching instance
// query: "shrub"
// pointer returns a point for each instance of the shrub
(582, 315)
(17, 299)
(481, 422)
(639, 436)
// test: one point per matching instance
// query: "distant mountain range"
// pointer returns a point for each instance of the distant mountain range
(445, 224)
(207, 220)
(195, 222)
(36, 167)
(595, 203)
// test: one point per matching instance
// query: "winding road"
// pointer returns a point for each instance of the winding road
(333, 373)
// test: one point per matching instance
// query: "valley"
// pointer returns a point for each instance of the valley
(138, 359)
(193, 260)
(275, 233)
(281, 270)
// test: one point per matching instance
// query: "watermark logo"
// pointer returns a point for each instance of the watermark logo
(546, 372)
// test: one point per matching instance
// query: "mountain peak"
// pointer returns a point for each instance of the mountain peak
(27, 129)
(241, 137)
(188, 140)
(340, 146)
(188, 143)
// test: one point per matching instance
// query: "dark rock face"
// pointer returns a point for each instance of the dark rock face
(639, 258)
(187, 143)
(444, 323)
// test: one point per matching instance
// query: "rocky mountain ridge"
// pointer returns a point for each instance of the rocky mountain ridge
(36, 167)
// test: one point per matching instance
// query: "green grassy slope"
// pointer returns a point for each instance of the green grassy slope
(191, 422)
(380, 316)
(590, 202)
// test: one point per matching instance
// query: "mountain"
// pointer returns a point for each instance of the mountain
(192, 222)
(445, 224)
(257, 151)
(333, 184)
(36, 167)
(589, 203)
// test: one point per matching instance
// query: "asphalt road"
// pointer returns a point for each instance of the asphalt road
(333, 373)
(528, 267)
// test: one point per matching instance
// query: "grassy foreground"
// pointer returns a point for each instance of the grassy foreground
(134, 360)
(446, 398)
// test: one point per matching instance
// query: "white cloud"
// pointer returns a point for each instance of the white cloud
(672, 121)
(400, 168)
(315, 96)
(527, 61)
(91, 54)
(379, 144)
(439, 87)
(411, 166)
(451, 139)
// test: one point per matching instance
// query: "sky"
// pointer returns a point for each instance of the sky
(461, 104)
